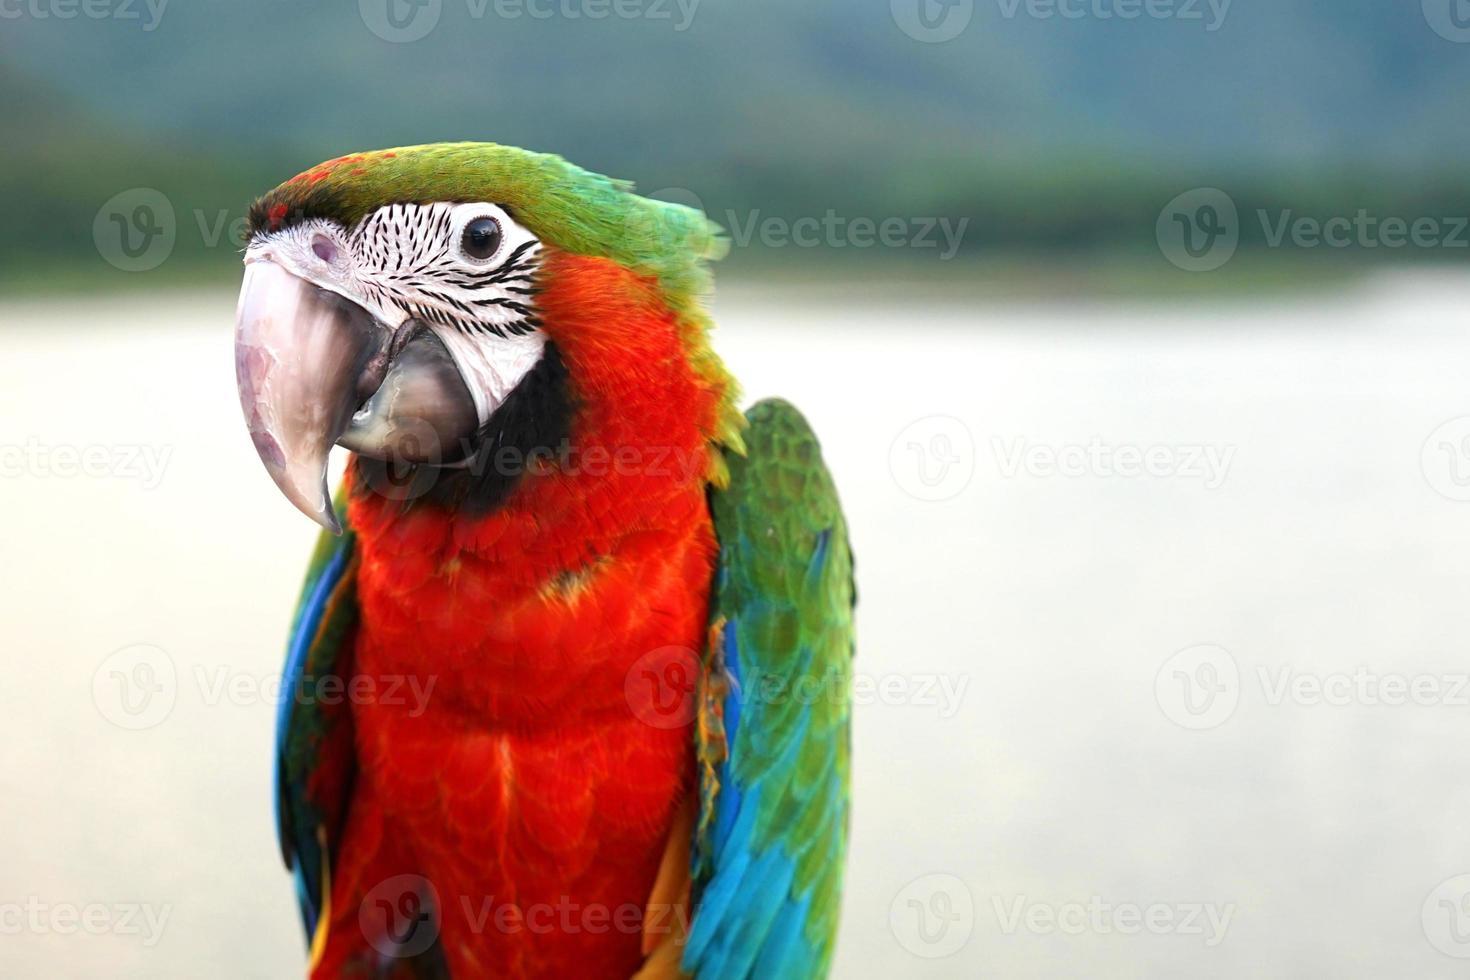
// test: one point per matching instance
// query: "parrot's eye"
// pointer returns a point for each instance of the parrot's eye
(481, 238)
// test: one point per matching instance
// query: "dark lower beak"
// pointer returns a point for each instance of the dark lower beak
(315, 369)
(421, 412)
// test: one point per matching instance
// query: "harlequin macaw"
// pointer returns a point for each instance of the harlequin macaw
(568, 680)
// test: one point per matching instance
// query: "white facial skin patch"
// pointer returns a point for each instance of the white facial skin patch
(466, 270)
(492, 366)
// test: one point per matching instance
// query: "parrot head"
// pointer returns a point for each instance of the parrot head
(417, 306)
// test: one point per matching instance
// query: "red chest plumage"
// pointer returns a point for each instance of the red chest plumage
(532, 786)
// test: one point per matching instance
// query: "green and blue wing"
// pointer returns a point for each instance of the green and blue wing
(768, 852)
(314, 753)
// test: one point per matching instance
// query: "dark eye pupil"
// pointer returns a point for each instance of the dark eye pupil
(481, 238)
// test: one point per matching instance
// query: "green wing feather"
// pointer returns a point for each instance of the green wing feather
(774, 718)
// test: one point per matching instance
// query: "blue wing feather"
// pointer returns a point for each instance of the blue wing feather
(767, 859)
(319, 630)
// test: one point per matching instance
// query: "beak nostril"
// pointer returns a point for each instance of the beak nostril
(324, 249)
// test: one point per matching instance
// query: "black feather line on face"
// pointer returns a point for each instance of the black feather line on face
(530, 431)
(422, 249)
(414, 239)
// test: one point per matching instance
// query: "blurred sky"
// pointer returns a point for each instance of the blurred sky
(1053, 125)
(773, 84)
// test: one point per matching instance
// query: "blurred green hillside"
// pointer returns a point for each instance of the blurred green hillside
(1055, 142)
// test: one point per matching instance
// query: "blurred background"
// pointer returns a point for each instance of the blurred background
(1134, 331)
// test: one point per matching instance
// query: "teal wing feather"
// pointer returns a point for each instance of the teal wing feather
(314, 753)
(767, 860)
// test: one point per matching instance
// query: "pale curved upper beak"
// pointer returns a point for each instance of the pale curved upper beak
(315, 369)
